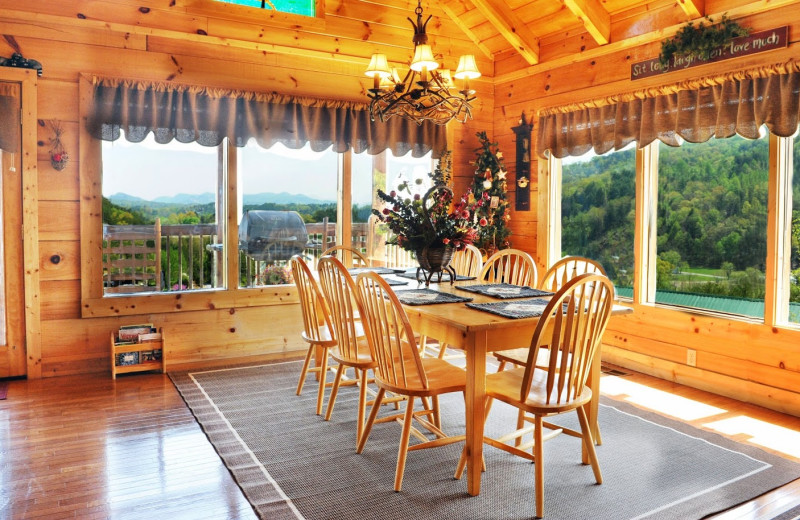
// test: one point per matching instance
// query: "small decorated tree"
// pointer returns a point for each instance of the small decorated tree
(490, 184)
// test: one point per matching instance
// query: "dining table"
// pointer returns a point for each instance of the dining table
(478, 333)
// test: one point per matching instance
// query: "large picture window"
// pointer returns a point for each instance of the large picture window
(712, 225)
(598, 212)
(162, 217)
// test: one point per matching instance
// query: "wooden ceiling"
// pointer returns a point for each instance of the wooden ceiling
(526, 28)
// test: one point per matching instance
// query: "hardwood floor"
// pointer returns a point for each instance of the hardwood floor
(90, 447)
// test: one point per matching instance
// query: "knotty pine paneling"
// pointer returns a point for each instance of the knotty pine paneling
(58, 220)
(59, 100)
(60, 299)
(59, 260)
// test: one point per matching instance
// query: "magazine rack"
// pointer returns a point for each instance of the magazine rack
(145, 353)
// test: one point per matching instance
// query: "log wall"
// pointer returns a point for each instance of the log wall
(191, 41)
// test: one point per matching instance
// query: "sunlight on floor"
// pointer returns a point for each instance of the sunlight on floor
(656, 400)
(761, 433)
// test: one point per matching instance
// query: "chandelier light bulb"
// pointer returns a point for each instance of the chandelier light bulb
(423, 59)
(378, 69)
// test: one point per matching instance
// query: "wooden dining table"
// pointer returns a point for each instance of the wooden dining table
(479, 333)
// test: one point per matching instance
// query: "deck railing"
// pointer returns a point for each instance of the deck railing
(192, 254)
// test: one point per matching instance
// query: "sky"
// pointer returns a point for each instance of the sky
(149, 170)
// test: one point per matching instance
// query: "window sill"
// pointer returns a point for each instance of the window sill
(159, 303)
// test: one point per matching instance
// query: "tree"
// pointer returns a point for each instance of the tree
(727, 268)
(490, 182)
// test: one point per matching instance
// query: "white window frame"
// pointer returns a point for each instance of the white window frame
(779, 221)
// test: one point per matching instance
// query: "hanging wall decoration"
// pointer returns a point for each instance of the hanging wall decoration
(523, 191)
(58, 155)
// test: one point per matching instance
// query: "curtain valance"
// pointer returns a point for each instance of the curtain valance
(10, 108)
(206, 116)
(696, 110)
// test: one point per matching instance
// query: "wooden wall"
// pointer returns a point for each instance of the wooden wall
(750, 362)
(188, 41)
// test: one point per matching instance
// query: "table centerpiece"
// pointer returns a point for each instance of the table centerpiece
(434, 225)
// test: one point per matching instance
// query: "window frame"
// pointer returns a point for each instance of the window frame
(245, 13)
(93, 301)
(779, 218)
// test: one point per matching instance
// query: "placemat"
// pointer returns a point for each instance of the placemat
(380, 270)
(428, 296)
(435, 278)
(516, 309)
(504, 290)
(395, 281)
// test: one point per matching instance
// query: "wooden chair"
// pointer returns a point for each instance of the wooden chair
(402, 371)
(559, 274)
(317, 326)
(466, 262)
(132, 258)
(510, 266)
(572, 325)
(349, 256)
(566, 269)
(351, 350)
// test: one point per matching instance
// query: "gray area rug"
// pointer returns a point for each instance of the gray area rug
(290, 463)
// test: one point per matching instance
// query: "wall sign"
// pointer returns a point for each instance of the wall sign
(741, 46)
(523, 180)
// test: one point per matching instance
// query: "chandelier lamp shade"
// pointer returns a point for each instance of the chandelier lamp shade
(427, 92)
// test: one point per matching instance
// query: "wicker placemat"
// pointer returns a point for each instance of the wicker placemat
(395, 281)
(504, 290)
(412, 273)
(428, 296)
(516, 309)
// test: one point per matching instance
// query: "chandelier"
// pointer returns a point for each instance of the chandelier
(425, 92)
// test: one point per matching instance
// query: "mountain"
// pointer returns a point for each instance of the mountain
(123, 199)
(282, 198)
(186, 198)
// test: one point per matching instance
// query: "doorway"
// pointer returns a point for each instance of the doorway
(12, 316)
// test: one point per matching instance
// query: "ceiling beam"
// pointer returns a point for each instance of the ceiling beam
(594, 18)
(693, 8)
(511, 28)
(466, 30)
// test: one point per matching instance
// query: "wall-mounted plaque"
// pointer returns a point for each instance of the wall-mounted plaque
(523, 180)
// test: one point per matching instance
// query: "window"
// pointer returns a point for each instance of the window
(162, 215)
(302, 7)
(794, 237)
(712, 225)
(712, 247)
(384, 171)
(220, 183)
(287, 206)
(598, 212)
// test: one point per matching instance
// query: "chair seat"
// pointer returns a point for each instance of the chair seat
(364, 359)
(519, 356)
(505, 387)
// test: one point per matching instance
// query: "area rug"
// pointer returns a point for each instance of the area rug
(290, 463)
(3, 390)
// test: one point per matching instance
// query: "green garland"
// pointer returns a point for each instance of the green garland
(490, 183)
(699, 42)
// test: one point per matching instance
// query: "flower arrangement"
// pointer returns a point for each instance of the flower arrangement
(277, 275)
(58, 156)
(489, 184)
(433, 220)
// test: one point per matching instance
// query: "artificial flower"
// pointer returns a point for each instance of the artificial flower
(433, 220)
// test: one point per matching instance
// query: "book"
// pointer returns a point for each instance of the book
(152, 336)
(131, 332)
